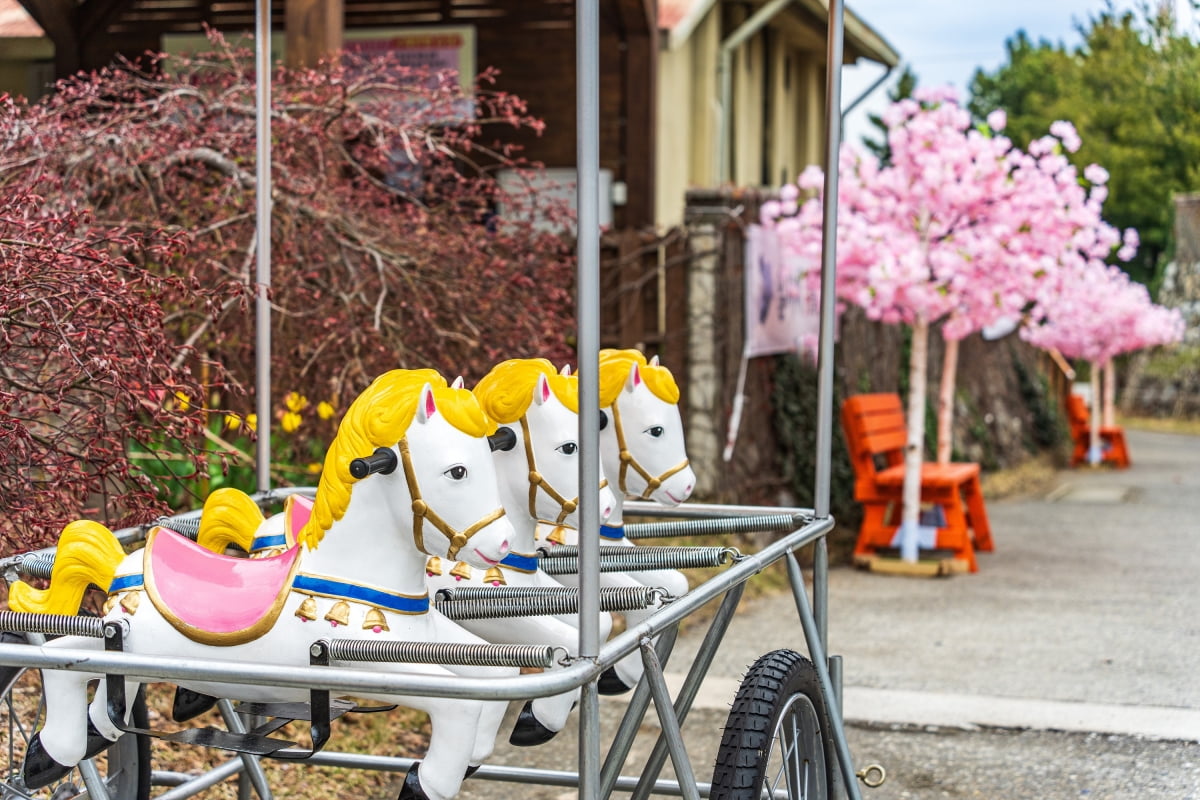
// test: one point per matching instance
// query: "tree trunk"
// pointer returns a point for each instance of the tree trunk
(1110, 394)
(914, 447)
(1094, 451)
(945, 410)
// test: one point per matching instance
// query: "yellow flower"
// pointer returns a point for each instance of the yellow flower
(295, 402)
(314, 468)
(291, 421)
(233, 421)
(185, 402)
(251, 421)
(324, 410)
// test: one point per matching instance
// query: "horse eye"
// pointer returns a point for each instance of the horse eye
(457, 472)
(567, 448)
(656, 431)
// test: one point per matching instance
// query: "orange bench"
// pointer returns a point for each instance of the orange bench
(1112, 437)
(875, 436)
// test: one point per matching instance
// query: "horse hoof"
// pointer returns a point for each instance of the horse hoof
(610, 683)
(189, 704)
(40, 769)
(528, 732)
(96, 742)
(411, 790)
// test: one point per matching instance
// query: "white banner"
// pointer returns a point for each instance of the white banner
(781, 316)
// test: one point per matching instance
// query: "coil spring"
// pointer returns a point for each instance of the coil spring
(487, 602)
(565, 560)
(477, 655)
(51, 624)
(700, 527)
(37, 565)
(188, 526)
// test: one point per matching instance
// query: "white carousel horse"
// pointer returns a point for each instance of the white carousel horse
(366, 581)
(641, 443)
(539, 480)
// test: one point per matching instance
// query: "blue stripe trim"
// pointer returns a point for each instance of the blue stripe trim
(392, 602)
(611, 532)
(263, 542)
(521, 562)
(126, 582)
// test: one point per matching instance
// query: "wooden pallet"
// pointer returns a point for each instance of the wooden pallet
(929, 563)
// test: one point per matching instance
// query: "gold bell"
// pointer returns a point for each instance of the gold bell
(556, 535)
(375, 621)
(494, 576)
(433, 566)
(462, 571)
(308, 609)
(129, 602)
(109, 605)
(339, 614)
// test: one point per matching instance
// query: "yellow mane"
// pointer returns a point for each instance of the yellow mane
(614, 369)
(506, 392)
(379, 417)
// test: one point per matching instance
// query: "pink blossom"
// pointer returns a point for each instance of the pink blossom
(1095, 174)
(997, 120)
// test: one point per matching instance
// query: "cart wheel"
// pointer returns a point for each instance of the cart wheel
(777, 736)
(125, 765)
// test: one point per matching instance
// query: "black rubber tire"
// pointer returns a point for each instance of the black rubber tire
(779, 699)
(128, 771)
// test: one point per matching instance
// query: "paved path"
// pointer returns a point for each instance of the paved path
(1065, 668)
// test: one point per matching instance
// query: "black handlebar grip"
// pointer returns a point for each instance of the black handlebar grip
(502, 439)
(382, 461)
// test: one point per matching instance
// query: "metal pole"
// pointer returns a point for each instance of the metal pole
(262, 272)
(587, 123)
(833, 105)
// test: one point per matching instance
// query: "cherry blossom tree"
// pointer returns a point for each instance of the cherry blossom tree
(1096, 312)
(960, 229)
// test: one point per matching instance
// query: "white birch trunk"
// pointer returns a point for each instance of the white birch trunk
(1110, 394)
(1094, 451)
(945, 409)
(914, 447)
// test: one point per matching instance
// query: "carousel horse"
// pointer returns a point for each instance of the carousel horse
(641, 443)
(539, 480)
(409, 475)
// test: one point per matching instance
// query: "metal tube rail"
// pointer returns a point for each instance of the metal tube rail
(350, 680)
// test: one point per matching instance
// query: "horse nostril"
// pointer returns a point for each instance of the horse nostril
(504, 547)
(607, 512)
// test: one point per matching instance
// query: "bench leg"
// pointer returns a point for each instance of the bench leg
(977, 516)
(1117, 453)
(874, 531)
(955, 536)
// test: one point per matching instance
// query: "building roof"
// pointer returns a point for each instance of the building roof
(680, 17)
(15, 22)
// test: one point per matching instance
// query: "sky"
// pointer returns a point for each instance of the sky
(945, 41)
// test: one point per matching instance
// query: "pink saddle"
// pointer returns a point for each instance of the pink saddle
(211, 598)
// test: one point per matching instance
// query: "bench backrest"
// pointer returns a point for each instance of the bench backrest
(1077, 414)
(875, 427)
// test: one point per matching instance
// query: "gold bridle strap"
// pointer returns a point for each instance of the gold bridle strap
(536, 481)
(627, 461)
(422, 512)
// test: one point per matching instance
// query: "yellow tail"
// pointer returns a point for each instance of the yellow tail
(229, 517)
(87, 553)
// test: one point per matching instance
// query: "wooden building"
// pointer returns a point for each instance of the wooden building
(661, 74)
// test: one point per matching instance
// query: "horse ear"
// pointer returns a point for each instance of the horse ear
(426, 406)
(654, 361)
(565, 371)
(635, 378)
(541, 392)
(459, 383)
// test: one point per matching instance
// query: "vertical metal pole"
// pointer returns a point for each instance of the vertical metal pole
(262, 272)
(833, 130)
(587, 122)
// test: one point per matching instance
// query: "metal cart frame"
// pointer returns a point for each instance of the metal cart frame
(800, 527)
